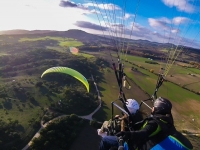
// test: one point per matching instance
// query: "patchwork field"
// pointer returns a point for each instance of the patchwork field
(177, 74)
(63, 42)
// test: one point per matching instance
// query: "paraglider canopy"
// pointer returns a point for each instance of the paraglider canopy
(73, 50)
(68, 71)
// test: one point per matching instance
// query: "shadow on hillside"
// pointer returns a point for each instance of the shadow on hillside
(7, 104)
(87, 140)
(101, 88)
(34, 102)
(1, 106)
(21, 96)
(49, 98)
(20, 128)
(44, 90)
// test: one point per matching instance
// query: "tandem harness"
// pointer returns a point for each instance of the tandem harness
(170, 142)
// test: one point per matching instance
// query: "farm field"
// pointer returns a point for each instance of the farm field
(179, 74)
(63, 42)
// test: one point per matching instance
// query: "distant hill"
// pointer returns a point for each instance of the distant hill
(14, 32)
(94, 39)
(76, 34)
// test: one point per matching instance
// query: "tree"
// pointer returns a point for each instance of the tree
(39, 84)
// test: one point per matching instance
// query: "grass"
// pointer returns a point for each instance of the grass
(28, 109)
(63, 42)
(85, 55)
(180, 73)
(3, 54)
(70, 43)
(168, 89)
(194, 70)
(58, 48)
(164, 50)
(45, 38)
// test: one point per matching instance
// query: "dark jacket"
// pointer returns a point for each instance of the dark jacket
(153, 130)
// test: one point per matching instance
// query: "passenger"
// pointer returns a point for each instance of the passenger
(117, 124)
(154, 132)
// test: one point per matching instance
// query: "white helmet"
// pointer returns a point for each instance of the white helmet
(132, 105)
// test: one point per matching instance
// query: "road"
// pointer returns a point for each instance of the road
(89, 117)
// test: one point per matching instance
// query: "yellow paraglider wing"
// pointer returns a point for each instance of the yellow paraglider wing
(68, 71)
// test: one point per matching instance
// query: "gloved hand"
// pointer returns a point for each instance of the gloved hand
(125, 135)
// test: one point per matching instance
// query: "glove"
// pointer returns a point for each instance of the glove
(125, 135)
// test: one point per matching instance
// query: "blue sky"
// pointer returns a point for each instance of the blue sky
(176, 21)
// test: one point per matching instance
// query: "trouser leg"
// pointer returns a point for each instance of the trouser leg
(107, 142)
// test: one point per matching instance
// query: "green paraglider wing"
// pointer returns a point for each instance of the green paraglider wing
(68, 71)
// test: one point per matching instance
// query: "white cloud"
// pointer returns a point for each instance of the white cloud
(166, 24)
(127, 16)
(159, 23)
(182, 5)
(108, 6)
(180, 20)
(155, 32)
(175, 31)
(95, 11)
(38, 14)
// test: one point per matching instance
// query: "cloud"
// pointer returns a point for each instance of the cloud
(180, 20)
(126, 16)
(108, 6)
(175, 31)
(89, 25)
(119, 25)
(159, 23)
(70, 4)
(95, 11)
(182, 5)
(165, 23)
(139, 32)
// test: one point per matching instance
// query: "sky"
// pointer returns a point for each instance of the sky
(164, 21)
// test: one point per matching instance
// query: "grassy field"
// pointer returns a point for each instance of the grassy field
(46, 38)
(85, 55)
(180, 74)
(22, 109)
(57, 48)
(4, 54)
(63, 42)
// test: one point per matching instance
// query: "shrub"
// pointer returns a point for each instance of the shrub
(151, 70)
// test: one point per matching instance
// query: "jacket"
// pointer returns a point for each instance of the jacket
(153, 130)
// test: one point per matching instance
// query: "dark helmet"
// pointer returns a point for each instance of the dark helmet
(162, 106)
